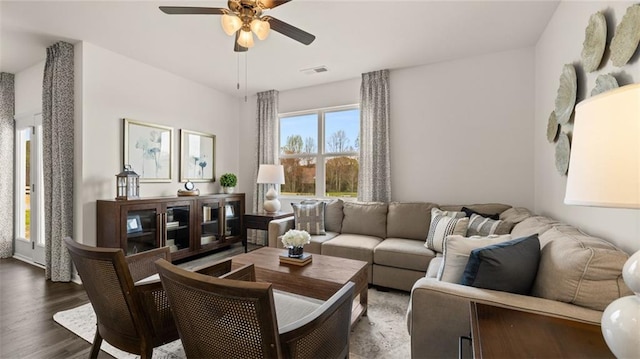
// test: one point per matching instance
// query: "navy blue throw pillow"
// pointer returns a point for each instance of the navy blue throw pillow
(509, 266)
(468, 212)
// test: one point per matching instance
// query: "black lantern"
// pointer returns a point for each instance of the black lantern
(127, 184)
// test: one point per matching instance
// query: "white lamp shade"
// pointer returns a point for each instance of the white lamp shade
(604, 169)
(245, 39)
(261, 28)
(271, 174)
(230, 24)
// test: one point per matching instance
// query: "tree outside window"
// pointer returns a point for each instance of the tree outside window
(329, 137)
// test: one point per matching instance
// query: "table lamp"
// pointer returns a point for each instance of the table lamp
(604, 171)
(271, 174)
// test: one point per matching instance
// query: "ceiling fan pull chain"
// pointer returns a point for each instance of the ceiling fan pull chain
(238, 71)
(246, 74)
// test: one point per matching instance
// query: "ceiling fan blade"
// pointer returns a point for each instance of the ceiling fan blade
(270, 4)
(289, 30)
(190, 10)
(236, 46)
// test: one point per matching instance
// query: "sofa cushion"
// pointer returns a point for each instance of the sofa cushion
(434, 266)
(409, 220)
(441, 226)
(533, 225)
(487, 208)
(354, 246)
(309, 216)
(515, 215)
(456, 254)
(315, 246)
(508, 266)
(333, 216)
(468, 212)
(580, 269)
(369, 219)
(483, 226)
(403, 253)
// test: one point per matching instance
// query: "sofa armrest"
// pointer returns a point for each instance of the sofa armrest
(277, 228)
(438, 314)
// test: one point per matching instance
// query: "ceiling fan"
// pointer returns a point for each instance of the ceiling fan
(244, 16)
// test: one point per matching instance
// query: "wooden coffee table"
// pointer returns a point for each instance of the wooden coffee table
(320, 279)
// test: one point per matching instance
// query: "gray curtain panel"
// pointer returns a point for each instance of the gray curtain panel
(267, 123)
(374, 178)
(7, 131)
(57, 127)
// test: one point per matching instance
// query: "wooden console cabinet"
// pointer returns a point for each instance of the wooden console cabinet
(188, 225)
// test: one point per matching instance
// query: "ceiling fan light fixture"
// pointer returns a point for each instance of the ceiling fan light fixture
(245, 39)
(231, 24)
(260, 28)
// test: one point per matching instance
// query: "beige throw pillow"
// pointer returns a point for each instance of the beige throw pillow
(443, 224)
(580, 269)
(368, 218)
(456, 254)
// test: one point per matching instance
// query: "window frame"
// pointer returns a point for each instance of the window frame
(321, 155)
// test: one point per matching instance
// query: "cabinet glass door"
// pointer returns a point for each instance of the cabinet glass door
(142, 228)
(210, 225)
(178, 231)
(232, 212)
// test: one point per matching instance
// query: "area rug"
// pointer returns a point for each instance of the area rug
(381, 334)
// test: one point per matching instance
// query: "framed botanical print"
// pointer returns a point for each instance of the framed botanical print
(148, 148)
(197, 156)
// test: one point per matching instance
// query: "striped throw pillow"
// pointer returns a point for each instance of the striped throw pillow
(443, 225)
(482, 226)
(309, 217)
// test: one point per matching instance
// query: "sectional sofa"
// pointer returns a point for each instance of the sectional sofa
(577, 275)
(388, 236)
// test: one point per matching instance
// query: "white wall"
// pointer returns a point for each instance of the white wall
(28, 88)
(452, 139)
(110, 87)
(461, 130)
(561, 44)
(116, 87)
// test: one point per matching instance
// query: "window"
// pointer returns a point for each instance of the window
(329, 137)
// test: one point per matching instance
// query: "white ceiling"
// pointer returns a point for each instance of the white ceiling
(352, 37)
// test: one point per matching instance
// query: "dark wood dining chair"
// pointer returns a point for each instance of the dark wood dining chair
(230, 318)
(132, 317)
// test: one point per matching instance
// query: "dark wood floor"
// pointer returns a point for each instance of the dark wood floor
(27, 305)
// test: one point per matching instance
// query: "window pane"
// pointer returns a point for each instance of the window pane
(24, 183)
(341, 176)
(299, 176)
(342, 131)
(299, 134)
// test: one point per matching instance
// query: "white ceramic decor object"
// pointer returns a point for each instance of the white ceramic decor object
(595, 39)
(627, 36)
(621, 319)
(604, 83)
(563, 151)
(552, 128)
(567, 91)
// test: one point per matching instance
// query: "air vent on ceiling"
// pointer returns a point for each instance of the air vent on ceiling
(314, 70)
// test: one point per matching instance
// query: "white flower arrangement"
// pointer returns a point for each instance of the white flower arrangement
(295, 238)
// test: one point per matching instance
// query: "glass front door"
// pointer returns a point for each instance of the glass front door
(29, 190)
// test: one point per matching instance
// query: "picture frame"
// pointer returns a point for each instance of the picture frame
(134, 225)
(197, 156)
(148, 148)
